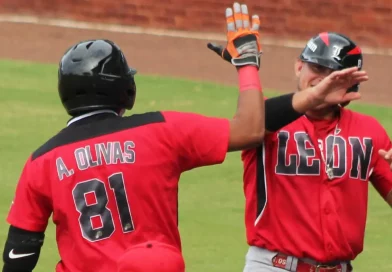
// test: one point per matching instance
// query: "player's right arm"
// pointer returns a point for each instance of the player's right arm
(247, 126)
(28, 218)
(282, 110)
(199, 140)
(243, 50)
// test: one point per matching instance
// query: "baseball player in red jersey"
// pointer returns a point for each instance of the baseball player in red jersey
(306, 187)
(110, 182)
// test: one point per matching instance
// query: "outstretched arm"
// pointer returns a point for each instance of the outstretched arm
(282, 110)
(243, 50)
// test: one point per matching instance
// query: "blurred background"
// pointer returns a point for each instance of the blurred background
(367, 21)
(286, 26)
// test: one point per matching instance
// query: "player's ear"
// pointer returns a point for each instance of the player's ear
(298, 67)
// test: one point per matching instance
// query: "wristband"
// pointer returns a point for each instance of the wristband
(249, 78)
(279, 112)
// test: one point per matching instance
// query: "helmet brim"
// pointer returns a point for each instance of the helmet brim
(328, 63)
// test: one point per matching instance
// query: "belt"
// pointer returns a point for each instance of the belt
(280, 261)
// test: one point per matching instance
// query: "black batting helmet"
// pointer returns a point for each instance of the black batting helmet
(94, 75)
(334, 51)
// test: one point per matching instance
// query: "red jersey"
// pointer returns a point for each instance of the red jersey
(291, 204)
(112, 182)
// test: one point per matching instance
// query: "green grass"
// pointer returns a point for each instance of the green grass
(211, 198)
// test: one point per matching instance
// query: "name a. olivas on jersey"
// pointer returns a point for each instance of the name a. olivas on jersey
(96, 155)
(307, 159)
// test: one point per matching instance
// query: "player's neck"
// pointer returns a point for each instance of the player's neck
(327, 114)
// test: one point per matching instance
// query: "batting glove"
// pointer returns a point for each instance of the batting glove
(243, 42)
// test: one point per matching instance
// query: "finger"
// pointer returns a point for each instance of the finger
(349, 70)
(360, 79)
(351, 97)
(230, 21)
(360, 73)
(245, 16)
(382, 152)
(343, 73)
(356, 78)
(238, 16)
(255, 23)
(388, 156)
(216, 48)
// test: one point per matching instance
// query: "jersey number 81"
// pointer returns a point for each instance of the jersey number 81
(99, 209)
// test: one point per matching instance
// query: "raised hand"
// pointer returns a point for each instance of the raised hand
(387, 155)
(243, 40)
(333, 88)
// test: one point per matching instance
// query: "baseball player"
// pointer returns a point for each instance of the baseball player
(111, 182)
(306, 187)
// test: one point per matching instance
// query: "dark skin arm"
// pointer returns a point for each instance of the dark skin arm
(243, 51)
(247, 126)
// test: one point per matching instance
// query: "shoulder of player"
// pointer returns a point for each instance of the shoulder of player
(183, 117)
(141, 119)
(70, 135)
(366, 121)
(45, 147)
(177, 115)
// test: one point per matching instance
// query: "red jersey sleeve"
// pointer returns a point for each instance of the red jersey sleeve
(381, 176)
(198, 140)
(30, 209)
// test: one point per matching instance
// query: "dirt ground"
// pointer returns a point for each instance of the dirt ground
(178, 57)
